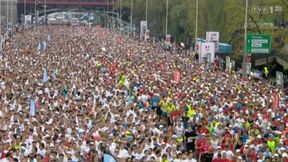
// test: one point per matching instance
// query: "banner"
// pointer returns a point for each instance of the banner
(213, 37)
(207, 53)
(28, 19)
(143, 29)
(45, 75)
(168, 38)
(177, 76)
(279, 79)
(275, 101)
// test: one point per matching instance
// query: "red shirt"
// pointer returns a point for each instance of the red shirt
(201, 142)
(217, 160)
(226, 160)
(203, 130)
(46, 159)
(3, 155)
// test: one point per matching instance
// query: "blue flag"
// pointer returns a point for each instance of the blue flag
(108, 158)
(44, 45)
(45, 75)
(39, 48)
(32, 108)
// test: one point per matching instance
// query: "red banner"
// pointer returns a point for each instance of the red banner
(275, 101)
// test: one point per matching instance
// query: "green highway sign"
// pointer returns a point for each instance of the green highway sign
(258, 44)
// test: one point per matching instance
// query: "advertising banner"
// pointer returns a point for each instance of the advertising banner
(207, 53)
(143, 29)
(279, 79)
(213, 37)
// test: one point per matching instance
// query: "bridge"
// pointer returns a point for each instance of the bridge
(69, 3)
(13, 10)
(29, 6)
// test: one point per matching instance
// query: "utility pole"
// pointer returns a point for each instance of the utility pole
(244, 64)
(167, 12)
(196, 24)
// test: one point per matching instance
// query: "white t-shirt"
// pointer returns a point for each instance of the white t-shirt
(123, 153)
(4, 160)
(229, 154)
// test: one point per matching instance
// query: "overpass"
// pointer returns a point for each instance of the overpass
(29, 6)
(69, 3)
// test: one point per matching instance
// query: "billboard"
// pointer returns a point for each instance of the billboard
(207, 53)
(213, 37)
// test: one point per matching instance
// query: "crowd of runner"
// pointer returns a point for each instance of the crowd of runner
(109, 94)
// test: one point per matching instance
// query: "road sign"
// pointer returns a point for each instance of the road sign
(258, 44)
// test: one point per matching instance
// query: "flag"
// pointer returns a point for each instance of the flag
(39, 48)
(161, 66)
(275, 101)
(32, 108)
(113, 68)
(45, 75)
(108, 158)
(176, 76)
(123, 81)
(54, 76)
(44, 44)
(49, 37)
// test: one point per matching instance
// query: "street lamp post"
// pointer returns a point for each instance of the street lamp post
(131, 18)
(7, 15)
(35, 8)
(106, 14)
(147, 10)
(196, 24)
(244, 66)
(24, 10)
(167, 9)
(121, 9)
(45, 12)
(1, 26)
(11, 17)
